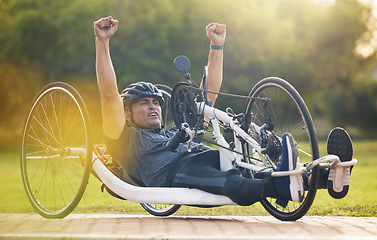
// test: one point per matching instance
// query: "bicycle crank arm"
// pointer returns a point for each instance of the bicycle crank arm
(330, 161)
(190, 133)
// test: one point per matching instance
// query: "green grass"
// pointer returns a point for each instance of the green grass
(360, 201)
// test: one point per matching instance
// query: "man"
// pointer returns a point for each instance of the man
(132, 126)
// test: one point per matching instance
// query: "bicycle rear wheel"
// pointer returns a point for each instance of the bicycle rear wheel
(162, 210)
(56, 151)
(289, 114)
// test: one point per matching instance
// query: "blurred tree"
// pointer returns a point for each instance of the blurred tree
(311, 45)
(18, 89)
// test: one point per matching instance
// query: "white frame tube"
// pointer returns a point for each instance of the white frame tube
(157, 195)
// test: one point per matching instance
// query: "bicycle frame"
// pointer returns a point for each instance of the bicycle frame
(228, 158)
(56, 161)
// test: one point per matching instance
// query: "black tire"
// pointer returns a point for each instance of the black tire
(56, 151)
(289, 114)
(162, 210)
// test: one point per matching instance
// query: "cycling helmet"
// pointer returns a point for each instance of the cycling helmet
(136, 91)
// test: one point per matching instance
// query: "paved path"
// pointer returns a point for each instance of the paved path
(121, 226)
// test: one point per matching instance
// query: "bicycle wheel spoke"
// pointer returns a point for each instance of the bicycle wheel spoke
(52, 134)
(56, 120)
(47, 131)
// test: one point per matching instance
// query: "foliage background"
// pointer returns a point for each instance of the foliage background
(324, 48)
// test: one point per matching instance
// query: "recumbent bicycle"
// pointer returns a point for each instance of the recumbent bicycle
(58, 155)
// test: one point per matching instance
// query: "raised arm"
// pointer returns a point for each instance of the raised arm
(216, 34)
(111, 103)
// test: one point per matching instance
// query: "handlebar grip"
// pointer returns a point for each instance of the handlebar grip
(178, 138)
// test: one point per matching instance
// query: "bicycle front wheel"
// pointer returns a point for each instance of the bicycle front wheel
(56, 151)
(288, 113)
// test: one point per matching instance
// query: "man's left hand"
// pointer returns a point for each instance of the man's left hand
(216, 33)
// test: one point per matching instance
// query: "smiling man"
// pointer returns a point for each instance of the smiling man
(136, 140)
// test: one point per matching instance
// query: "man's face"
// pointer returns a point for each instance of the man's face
(147, 113)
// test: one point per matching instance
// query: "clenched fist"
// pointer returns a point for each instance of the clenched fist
(105, 28)
(216, 33)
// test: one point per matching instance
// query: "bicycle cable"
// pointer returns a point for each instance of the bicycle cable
(228, 94)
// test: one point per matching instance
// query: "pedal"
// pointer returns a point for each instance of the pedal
(339, 143)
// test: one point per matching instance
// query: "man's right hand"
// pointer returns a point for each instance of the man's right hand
(105, 28)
